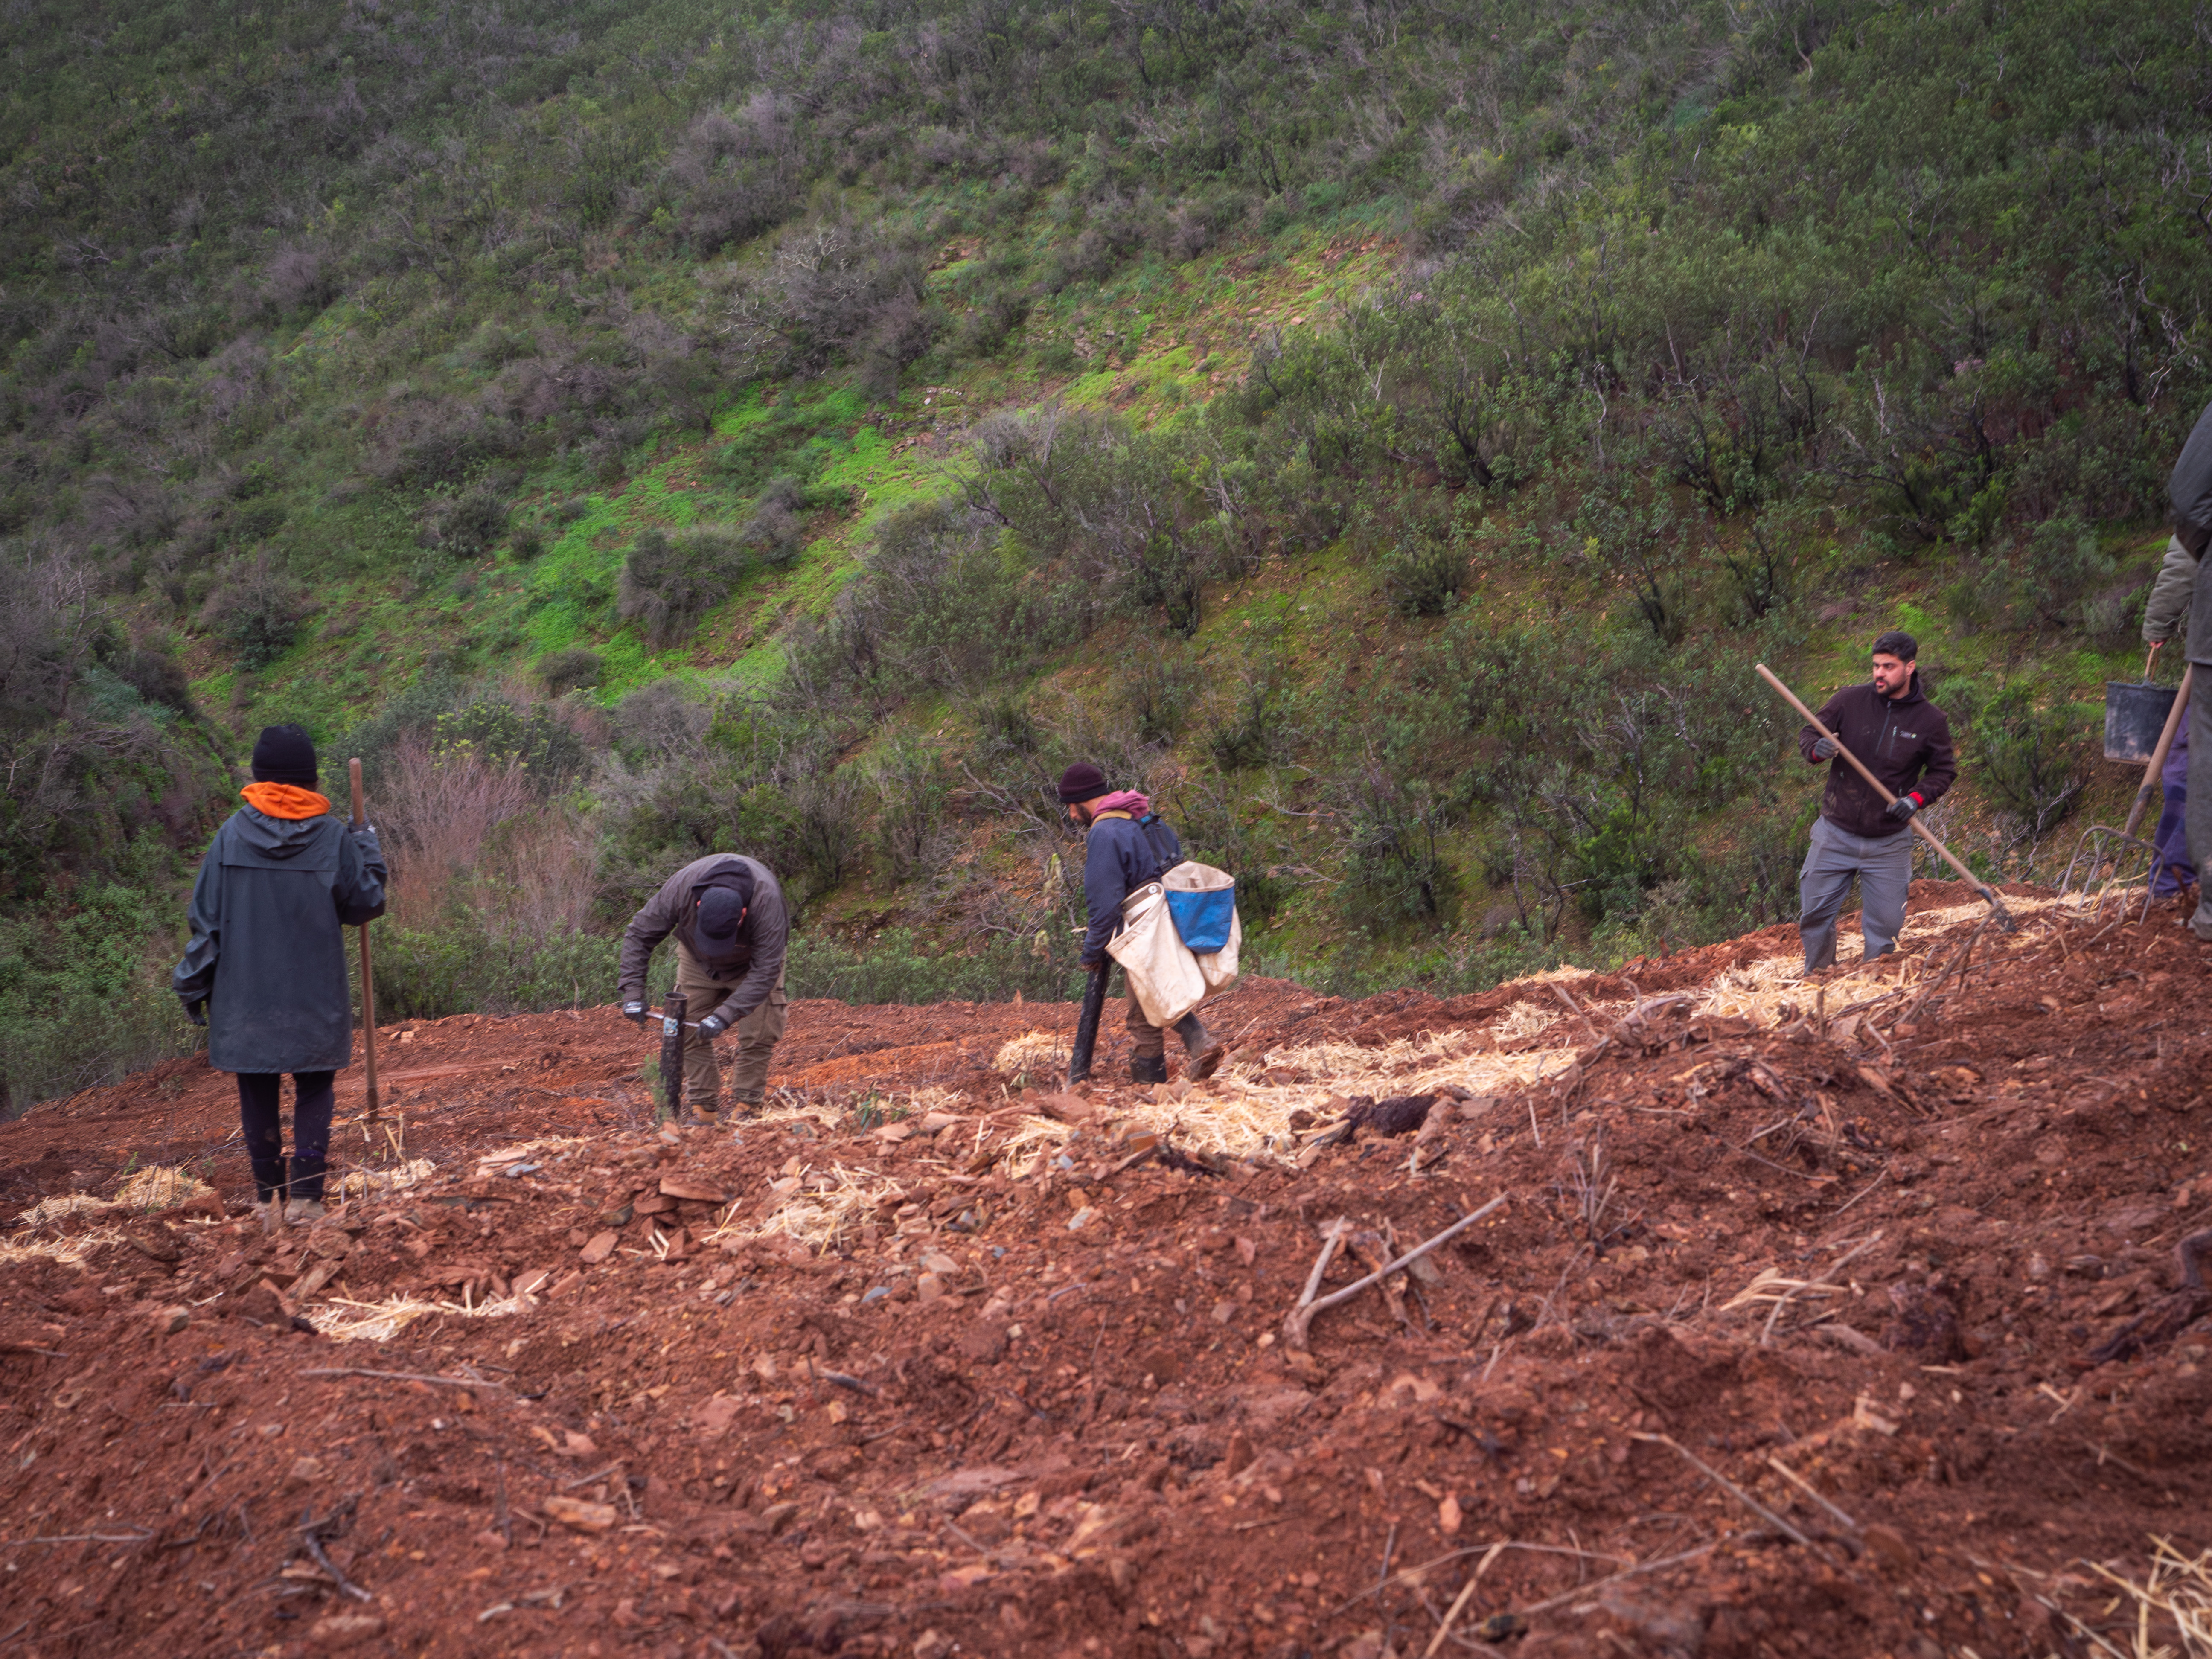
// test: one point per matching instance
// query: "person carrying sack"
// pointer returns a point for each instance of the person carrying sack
(1128, 850)
(265, 968)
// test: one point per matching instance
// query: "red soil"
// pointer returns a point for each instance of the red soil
(1088, 1434)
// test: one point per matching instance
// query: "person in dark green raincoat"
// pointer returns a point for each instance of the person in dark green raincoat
(265, 971)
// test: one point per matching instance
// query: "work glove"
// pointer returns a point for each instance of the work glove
(1903, 807)
(1826, 748)
(712, 1026)
(634, 1013)
(1091, 964)
(196, 1011)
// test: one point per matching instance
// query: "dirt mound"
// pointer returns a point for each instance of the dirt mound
(1780, 1342)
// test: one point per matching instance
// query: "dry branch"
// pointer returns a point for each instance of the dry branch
(1302, 1316)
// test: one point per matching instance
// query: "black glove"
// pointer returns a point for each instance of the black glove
(196, 1011)
(712, 1026)
(634, 1013)
(1902, 808)
(1826, 748)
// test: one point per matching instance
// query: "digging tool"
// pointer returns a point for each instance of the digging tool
(2111, 856)
(2004, 917)
(367, 975)
(2158, 755)
(1086, 1023)
(673, 1007)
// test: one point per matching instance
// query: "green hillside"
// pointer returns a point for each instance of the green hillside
(1387, 433)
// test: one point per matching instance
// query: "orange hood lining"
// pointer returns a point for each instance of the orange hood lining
(285, 800)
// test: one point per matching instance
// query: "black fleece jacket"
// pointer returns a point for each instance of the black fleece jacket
(1904, 741)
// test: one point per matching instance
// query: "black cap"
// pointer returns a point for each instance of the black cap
(1898, 644)
(284, 753)
(1081, 781)
(720, 911)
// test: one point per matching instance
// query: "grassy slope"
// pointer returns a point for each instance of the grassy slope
(1164, 341)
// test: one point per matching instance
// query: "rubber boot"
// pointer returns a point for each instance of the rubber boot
(1148, 1068)
(1202, 1055)
(307, 1199)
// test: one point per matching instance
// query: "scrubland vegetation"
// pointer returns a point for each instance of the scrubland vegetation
(1387, 433)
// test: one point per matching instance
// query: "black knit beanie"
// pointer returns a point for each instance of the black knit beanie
(284, 753)
(1081, 781)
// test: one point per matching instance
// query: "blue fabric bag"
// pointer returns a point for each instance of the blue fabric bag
(1202, 920)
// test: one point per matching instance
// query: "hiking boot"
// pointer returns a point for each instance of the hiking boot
(1148, 1068)
(1205, 1062)
(303, 1209)
(307, 1182)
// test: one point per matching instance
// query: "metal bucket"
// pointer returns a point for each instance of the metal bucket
(2135, 716)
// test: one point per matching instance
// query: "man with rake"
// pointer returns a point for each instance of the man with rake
(1904, 740)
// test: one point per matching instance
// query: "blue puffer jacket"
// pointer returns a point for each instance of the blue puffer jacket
(1120, 859)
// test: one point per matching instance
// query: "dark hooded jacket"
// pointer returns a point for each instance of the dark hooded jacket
(754, 962)
(1120, 856)
(1904, 741)
(268, 947)
(2190, 489)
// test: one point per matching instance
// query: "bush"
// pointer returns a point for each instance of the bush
(2035, 761)
(891, 968)
(153, 672)
(572, 670)
(500, 734)
(1423, 575)
(257, 611)
(669, 582)
(467, 525)
(461, 967)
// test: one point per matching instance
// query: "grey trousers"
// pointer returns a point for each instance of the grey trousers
(2197, 819)
(1884, 868)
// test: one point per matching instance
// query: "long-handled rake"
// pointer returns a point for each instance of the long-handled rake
(2002, 916)
(2112, 861)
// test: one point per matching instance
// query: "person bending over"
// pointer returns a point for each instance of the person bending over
(731, 929)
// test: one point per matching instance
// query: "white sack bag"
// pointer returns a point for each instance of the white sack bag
(1163, 975)
(1207, 923)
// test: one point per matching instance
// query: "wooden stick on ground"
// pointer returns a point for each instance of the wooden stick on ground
(1302, 1316)
(405, 1376)
(1996, 903)
(1810, 1490)
(1728, 1486)
(346, 1586)
(1466, 1592)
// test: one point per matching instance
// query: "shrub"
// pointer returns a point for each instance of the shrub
(467, 525)
(1423, 575)
(563, 671)
(503, 733)
(153, 672)
(669, 582)
(2035, 761)
(257, 611)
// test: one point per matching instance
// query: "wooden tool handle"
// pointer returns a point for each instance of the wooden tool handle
(1926, 835)
(2165, 745)
(367, 972)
